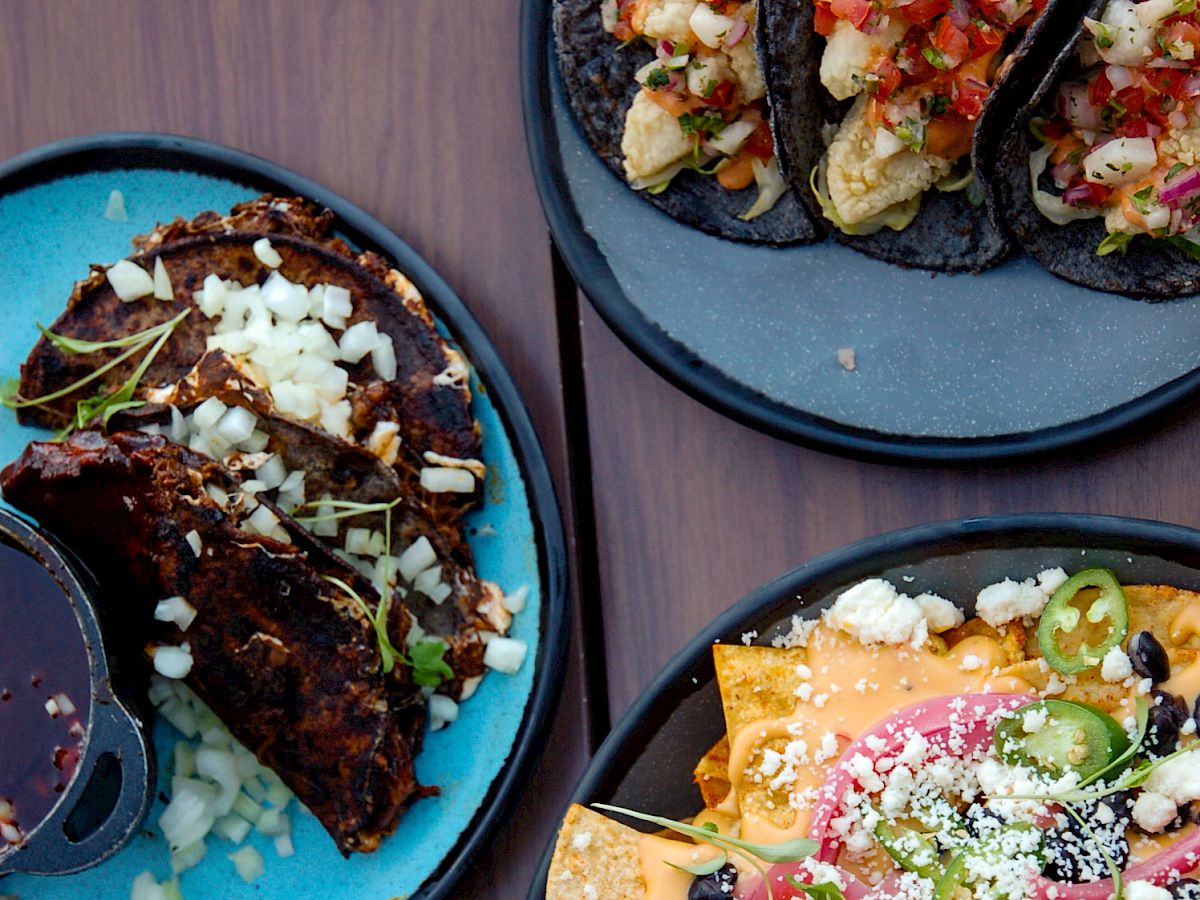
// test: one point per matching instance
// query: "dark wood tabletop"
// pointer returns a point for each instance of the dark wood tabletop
(411, 108)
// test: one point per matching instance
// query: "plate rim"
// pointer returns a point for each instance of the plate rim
(148, 150)
(706, 383)
(867, 555)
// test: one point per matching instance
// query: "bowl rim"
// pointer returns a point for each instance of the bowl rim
(690, 670)
(149, 150)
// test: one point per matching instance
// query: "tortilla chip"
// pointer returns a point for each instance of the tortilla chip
(1011, 638)
(712, 774)
(595, 852)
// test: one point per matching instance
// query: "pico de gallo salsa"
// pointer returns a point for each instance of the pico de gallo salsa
(929, 87)
(701, 104)
(1123, 139)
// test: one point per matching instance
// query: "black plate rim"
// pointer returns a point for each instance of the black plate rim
(110, 150)
(859, 559)
(706, 383)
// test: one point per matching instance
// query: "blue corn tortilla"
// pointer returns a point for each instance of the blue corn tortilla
(598, 75)
(1149, 269)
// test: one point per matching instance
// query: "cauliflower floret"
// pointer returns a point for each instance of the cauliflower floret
(705, 69)
(861, 184)
(1116, 223)
(652, 139)
(664, 19)
(1182, 144)
(745, 66)
(850, 53)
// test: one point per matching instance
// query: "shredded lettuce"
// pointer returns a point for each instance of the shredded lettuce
(771, 187)
(897, 217)
(1050, 206)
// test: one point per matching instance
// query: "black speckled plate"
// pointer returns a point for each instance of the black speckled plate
(646, 762)
(949, 367)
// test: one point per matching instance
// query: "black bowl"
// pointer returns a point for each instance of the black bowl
(110, 791)
(646, 762)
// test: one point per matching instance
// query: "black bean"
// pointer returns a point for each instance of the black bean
(981, 819)
(1177, 705)
(1185, 889)
(717, 886)
(1162, 734)
(1073, 856)
(1148, 657)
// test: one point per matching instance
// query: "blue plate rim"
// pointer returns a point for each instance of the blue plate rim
(691, 669)
(112, 150)
(698, 378)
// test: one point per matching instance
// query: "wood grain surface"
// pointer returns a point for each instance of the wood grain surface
(411, 109)
(693, 510)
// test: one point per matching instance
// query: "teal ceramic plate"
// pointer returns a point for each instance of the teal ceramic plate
(52, 225)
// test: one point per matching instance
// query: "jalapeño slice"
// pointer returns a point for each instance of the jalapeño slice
(1068, 736)
(995, 847)
(1061, 616)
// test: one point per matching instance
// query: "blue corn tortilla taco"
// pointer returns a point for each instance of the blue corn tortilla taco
(669, 93)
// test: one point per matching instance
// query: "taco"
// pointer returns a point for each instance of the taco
(1098, 177)
(876, 107)
(670, 95)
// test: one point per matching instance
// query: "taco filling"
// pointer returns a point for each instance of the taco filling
(1123, 139)
(919, 72)
(899, 748)
(701, 104)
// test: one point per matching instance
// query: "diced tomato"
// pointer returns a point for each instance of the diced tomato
(1136, 128)
(1100, 89)
(951, 42)
(824, 20)
(856, 12)
(1169, 81)
(984, 38)
(914, 65)
(1096, 193)
(722, 95)
(968, 96)
(1182, 31)
(887, 79)
(760, 142)
(923, 12)
(1055, 130)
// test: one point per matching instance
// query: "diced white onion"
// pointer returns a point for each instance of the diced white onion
(187, 857)
(256, 443)
(172, 662)
(221, 767)
(358, 540)
(212, 302)
(267, 255)
(287, 300)
(708, 26)
(383, 358)
(357, 341)
(730, 140)
(208, 413)
(162, 281)
(272, 473)
(442, 479)
(249, 864)
(336, 302)
(273, 822)
(440, 592)
(263, 520)
(1121, 161)
(236, 425)
(283, 846)
(515, 602)
(177, 610)
(130, 281)
(115, 209)
(469, 687)
(442, 711)
(428, 580)
(188, 817)
(416, 559)
(504, 655)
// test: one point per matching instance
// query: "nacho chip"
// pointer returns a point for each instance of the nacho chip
(595, 852)
(756, 682)
(712, 774)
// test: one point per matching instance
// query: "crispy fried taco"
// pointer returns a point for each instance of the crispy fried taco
(670, 95)
(266, 432)
(876, 106)
(900, 747)
(1098, 177)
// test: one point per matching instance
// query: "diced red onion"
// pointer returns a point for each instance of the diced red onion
(1076, 107)
(1119, 77)
(1178, 119)
(736, 33)
(665, 50)
(1191, 86)
(1064, 172)
(1182, 187)
(1073, 196)
(675, 83)
(959, 14)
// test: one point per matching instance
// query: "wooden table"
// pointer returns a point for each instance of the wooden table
(411, 109)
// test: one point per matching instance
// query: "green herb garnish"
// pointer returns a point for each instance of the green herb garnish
(935, 58)
(1174, 170)
(1114, 243)
(378, 619)
(426, 657)
(826, 890)
(657, 78)
(700, 123)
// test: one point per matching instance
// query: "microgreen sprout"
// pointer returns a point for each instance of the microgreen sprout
(378, 619)
(346, 509)
(785, 851)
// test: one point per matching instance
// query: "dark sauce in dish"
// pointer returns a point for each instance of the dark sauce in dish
(43, 659)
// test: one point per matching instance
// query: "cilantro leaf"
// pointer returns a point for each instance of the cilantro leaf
(429, 667)
(1113, 243)
(826, 890)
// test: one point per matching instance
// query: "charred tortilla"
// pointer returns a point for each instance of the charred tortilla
(949, 234)
(1149, 270)
(598, 77)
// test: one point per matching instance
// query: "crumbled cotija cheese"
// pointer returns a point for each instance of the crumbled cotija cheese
(1007, 600)
(875, 613)
(1153, 812)
(1116, 665)
(1178, 779)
